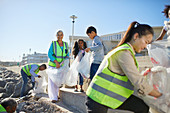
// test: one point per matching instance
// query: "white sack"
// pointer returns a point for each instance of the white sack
(84, 66)
(159, 51)
(159, 79)
(58, 75)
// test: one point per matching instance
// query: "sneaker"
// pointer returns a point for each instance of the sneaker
(75, 90)
(54, 101)
(81, 90)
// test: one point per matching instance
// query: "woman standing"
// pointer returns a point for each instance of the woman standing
(118, 76)
(57, 53)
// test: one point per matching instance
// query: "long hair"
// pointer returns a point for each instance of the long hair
(165, 11)
(76, 47)
(135, 27)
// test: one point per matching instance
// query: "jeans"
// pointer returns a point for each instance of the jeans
(24, 82)
(93, 69)
(133, 103)
(80, 79)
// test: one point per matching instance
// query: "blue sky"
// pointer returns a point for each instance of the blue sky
(32, 24)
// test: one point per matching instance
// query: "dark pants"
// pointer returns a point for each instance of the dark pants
(80, 79)
(133, 103)
(93, 69)
(24, 82)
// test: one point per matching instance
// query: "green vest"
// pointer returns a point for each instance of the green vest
(27, 69)
(58, 53)
(2, 109)
(108, 88)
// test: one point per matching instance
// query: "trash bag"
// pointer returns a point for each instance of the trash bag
(159, 79)
(40, 85)
(159, 75)
(58, 75)
(159, 52)
(72, 74)
(84, 66)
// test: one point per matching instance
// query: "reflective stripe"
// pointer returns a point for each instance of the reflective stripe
(127, 84)
(60, 57)
(55, 48)
(66, 45)
(27, 69)
(54, 62)
(107, 92)
(2, 109)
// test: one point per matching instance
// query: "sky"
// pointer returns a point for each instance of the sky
(26, 24)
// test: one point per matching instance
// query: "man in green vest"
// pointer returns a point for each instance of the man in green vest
(30, 71)
(8, 105)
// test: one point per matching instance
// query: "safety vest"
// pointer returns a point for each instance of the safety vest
(27, 69)
(59, 54)
(2, 109)
(108, 88)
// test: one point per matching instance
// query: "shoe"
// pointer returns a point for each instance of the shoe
(75, 90)
(81, 90)
(54, 101)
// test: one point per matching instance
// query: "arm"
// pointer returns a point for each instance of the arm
(50, 53)
(98, 45)
(33, 68)
(163, 32)
(127, 64)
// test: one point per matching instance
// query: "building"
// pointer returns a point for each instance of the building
(111, 40)
(34, 58)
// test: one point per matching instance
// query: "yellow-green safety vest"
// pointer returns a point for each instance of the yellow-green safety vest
(59, 54)
(2, 109)
(27, 69)
(108, 88)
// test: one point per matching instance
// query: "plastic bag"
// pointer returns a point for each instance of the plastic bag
(84, 66)
(72, 74)
(159, 51)
(40, 85)
(159, 79)
(58, 76)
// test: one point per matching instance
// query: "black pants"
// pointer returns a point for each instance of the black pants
(133, 103)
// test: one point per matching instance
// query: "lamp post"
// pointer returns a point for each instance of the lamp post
(73, 17)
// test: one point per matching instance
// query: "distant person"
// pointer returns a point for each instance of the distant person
(57, 53)
(30, 71)
(97, 50)
(166, 28)
(8, 105)
(118, 78)
(79, 52)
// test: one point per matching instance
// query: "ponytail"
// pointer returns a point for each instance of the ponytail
(135, 27)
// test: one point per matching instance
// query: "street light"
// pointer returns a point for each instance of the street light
(73, 17)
